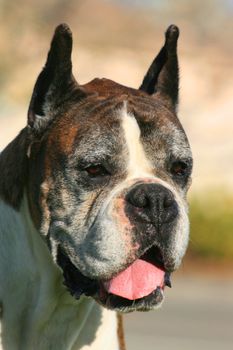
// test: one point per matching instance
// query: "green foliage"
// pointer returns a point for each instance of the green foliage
(211, 220)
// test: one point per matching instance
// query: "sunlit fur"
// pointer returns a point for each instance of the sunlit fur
(38, 312)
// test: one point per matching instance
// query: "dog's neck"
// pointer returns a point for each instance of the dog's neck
(38, 312)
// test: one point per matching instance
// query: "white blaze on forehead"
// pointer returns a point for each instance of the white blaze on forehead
(138, 165)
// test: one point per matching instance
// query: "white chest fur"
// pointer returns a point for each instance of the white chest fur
(38, 312)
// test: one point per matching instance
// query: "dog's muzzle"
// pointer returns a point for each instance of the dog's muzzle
(152, 212)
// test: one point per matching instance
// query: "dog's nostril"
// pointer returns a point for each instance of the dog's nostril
(141, 202)
(138, 198)
(168, 202)
(171, 213)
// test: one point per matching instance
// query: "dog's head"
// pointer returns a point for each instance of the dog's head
(109, 170)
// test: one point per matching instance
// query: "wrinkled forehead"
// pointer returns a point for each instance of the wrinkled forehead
(105, 128)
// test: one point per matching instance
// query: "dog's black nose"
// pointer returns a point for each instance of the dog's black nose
(153, 203)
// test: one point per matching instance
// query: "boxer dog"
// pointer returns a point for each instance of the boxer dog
(93, 212)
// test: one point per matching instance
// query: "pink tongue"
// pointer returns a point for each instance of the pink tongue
(137, 281)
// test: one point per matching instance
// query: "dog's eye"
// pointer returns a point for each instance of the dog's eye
(179, 168)
(96, 170)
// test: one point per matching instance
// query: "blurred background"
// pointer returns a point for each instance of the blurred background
(118, 40)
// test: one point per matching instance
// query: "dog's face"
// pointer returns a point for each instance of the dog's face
(109, 170)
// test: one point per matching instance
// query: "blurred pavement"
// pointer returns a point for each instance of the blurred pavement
(197, 314)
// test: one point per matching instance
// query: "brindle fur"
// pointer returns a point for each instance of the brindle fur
(71, 127)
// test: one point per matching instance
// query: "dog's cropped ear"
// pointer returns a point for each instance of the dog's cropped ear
(55, 85)
(162, 78)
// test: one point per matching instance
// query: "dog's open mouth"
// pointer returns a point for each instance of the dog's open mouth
(139, 287)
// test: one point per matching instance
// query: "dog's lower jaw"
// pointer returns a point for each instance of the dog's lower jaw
(31, 291)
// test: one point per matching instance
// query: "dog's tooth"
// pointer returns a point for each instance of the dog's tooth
(167, 280)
